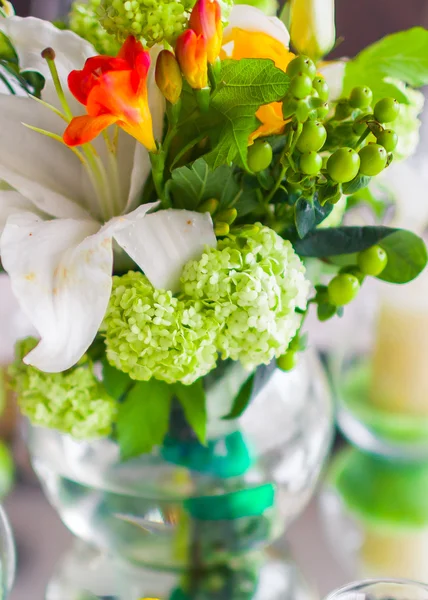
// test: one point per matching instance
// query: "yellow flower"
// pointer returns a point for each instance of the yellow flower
(251, 34)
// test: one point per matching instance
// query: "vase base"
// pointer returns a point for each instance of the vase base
(86, 573)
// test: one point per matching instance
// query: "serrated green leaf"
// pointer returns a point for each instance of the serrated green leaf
(304, 216)
(191, 186)
(402, 56)
(116, 382)
(242, 399)
(244, 86)
(7, 51)
(407, 257)
(193, 400)
(143, 418)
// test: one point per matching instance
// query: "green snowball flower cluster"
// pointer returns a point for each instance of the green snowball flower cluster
(251, 285)
(150, 333)
(150, 20)
(153, 21)
(85, 21)
(73, 402)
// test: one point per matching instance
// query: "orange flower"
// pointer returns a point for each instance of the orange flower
(114, 91)
(240, 42)
(206, 20)
(191, 52)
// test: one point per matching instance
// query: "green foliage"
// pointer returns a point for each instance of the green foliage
(407, 256)
(402, 56)
(116, 382)
(10, 73)
(193, 400)
(242, 399)
(305, 217)
(143, 418)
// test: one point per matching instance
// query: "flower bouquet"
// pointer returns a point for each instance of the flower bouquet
(168, 176)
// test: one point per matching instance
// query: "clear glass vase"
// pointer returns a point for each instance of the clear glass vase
(191, 508)
(382, 590)
(7, 556)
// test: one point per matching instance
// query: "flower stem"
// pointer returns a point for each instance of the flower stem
(49, 55)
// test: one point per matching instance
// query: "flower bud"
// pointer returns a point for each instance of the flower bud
(191, 52)
(206, 20)
(168, 76)
(312, 27)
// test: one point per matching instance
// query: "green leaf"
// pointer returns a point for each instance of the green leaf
(143, 418)
(402, 56)
(340, 240)
(35, 82)
(193, 400)
(322, 212)
(7, 51)
(407, 257)
(191, 186)
(116, 382)
(304, 216)
(242, 399)
(360, 182)
(245, 85)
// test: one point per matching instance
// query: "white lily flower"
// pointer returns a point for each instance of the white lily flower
(57, 225)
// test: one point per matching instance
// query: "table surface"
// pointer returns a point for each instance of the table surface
(41, 539)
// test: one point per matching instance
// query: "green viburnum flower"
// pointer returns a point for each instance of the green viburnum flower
(150, 333)
(153, 21)
(85, 21)
(252, 284)
(72, 402)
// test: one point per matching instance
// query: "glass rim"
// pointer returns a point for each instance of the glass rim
(361, 585)
(7, 551)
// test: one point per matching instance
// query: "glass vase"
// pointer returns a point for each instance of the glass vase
(7, 556)
(382, 590)
(216, 510)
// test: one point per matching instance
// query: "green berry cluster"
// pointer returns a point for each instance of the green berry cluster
(329, 150)
(344, 287)
(85, 21)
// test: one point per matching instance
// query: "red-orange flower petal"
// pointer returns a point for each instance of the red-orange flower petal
(206, 20)
(191, 53)
(114, 90)
(82, 130)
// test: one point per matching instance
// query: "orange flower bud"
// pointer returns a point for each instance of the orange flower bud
(191, 52)
(206, 20)
(168, 76)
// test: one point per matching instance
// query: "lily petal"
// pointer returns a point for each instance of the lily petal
(61, 275)
(40, 168)
(334, 73)
(162, 243)
(250, 18)
(11, 203)
(31, 36)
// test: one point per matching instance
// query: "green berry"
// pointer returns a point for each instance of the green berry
(386, 110)
(373, 159)
(343, 110)
(259, 156)
(323, 111)
(302, 64)
(372, 261)
(310, 163)
(300, 86)
(287, 361)
(303, 110)
(342, 289)
(361, 97)
(343, 165)
(313, 137)
(388, 139)
(321, 87)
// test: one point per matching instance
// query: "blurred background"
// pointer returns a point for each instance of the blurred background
(319, 536)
